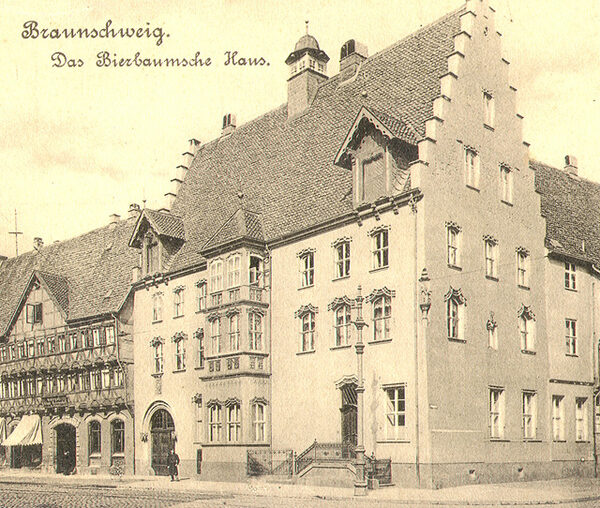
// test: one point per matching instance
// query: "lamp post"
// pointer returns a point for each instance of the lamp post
(360, 484)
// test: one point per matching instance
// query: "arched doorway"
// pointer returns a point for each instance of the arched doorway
(66, 448)
(162, 430)
(349, 419)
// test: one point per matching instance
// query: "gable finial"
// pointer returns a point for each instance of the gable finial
(306, 26)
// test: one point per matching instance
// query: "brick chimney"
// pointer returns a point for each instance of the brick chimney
(38, 243)
(352, 54)
(134, 211)
(571, 164)
(229, 124)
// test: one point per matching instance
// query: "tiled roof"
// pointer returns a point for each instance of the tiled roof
(242, 224)
(397, 127)
(165, 223)
(571, 207)
(97, 265)
(285, 166)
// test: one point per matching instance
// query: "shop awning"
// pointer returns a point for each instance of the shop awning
(2, 430)
(27, 432)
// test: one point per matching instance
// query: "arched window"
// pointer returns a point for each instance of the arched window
(117, 431)
(214, 422)
(455, 314)
(94, 437)
(343, 322)
(255, 331)
(382, 313)
(157, 307)
(233, 423)
(234, 332)
(308, 332)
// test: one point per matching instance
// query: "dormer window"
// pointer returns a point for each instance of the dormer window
(151, 256)
(372, 178)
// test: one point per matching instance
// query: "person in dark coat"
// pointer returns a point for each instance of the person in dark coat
(172, 463)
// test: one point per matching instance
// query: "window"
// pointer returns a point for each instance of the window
(342, 259)
(41, 349)
(117, 377)
(343, 323)
(496, 406)
(373, 178)
(527, 329)
(151, 255)
(529, 408)
(233, 423)
(492, 330)
(214, 423)
(233, 271)
(201, 296)
(570, 276)
(255, 271)
(31, 349)
(109, 333)
(73, 341)
(471, 168)
(95, 337)
(395, 412)
(200, 338)
(491, 257)
(106, 377)
(117, 431)
(255, 334)
(311, 63)
(558, 418)
(307, 269)
(488, 109)
(258, 421)
(380, 250)
(199, 423)
(94, 438)
(85, 381)
(571, 336)
(522, 267)
(308, 332)
(179, 355)
(33, 313)
(455, 314)
(157, 307)
(215, 335)
(382, 313)
(234, 332)
(88, 340)
(178, 295)
(96, 380)
(21, 350)
(581, 419)
(216, 276)
(321, 67)
(158, 357)
(453, 244)
(506, 184)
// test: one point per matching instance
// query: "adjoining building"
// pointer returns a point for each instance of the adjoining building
(66, 374)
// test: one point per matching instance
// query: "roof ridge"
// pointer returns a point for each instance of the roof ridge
(562, 171)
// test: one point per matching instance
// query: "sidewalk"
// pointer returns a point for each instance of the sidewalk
(546, 492)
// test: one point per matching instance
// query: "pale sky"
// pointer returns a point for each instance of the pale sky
(78, 144)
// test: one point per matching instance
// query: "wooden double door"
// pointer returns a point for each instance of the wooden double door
(349, 420)
(162, 431)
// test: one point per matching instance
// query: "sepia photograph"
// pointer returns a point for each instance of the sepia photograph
(281, 253)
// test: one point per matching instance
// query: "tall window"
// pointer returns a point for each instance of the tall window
(201, 296)
(380, 249)
(117, 430)
(496, 407)
(157, 307)
(581, 419)
(395, 412)
(233, 423)
(33, 313)
(491, 257)
(151, 262)
(216, 276)
(158, 357)
(558, 418)
(258, 421)
(215, 335)
(522, 267)
(570, 276)
(178, 296)
(343, 323)
(234, 332)
(255, 333)
(527, 329)
(373, 178)
(200, 338)
(382, 315)
(506, 184)
(307, 269)
(109, 333)
(342, 259)
(488, 109)
(215, 423)
(233, 270)
(455, 314)
(453, 244)
(94, 437)
(179, 355)
(307, 342)
(255, 271)
(471, 168)
(529, 408)
(571, 336)
(95, 337)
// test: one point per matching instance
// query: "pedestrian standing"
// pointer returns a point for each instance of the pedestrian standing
(173, 462)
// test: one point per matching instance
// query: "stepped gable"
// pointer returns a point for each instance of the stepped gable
(97, 266)
(285, 166)
(571, 207)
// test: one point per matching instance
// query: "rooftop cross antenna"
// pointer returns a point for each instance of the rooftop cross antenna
(16, 232)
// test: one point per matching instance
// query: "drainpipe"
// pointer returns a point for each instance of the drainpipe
(416, 347)
(596, 363)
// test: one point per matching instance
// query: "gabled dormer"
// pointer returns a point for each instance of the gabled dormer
(378, 150)
(158, 235)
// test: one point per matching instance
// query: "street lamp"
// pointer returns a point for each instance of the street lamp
(360, 483)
